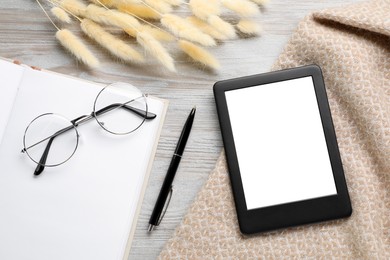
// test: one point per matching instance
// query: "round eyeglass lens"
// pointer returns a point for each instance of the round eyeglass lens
(50, 140)
(120, 108)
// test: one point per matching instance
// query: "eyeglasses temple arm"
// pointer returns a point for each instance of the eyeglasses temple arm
(137, 111)
(42, 161)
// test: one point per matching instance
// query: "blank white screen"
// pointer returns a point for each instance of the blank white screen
(280, 143)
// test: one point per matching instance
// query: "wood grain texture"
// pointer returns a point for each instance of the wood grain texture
(27, 35)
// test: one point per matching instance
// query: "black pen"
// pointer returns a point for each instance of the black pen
(166, 188)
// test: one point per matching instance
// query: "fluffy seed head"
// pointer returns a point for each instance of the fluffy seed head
(184, 29)
(199, 54)
(73, 44)
(111, 17)
(153, 47)
(222, 26)
(159, 5)
(204, 9)
(174, 2)
(109, 3)
(157, 33)
(75, 7)
(139, 10)
(60, 14)
(260, 2)
(249, 27)
(241, 7)
(206, 28)
(108, 41)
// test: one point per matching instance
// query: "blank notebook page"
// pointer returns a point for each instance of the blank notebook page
(83, 209)
(11, 75)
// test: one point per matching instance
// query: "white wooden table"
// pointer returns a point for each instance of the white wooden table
(27, 35)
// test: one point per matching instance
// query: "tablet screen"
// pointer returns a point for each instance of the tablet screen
(280, 143)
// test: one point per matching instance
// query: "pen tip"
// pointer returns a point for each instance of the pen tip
(150, 228)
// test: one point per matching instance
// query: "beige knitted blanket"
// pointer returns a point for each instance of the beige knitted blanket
(352, 46)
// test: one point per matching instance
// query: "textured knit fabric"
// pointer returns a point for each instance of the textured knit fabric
(352, 46)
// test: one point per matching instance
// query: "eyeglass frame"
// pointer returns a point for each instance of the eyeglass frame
(80, 120)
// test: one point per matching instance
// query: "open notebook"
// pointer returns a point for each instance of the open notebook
(86, 208)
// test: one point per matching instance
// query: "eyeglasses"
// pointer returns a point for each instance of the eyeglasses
(119, 109)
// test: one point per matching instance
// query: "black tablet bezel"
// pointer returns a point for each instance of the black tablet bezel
(295, 213)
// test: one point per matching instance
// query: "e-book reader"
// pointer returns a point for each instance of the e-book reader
(281, 149)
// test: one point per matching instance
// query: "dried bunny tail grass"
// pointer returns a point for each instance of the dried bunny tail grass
(60, 14)
(109, 3)
(157, 33)
(184, 29)
(222, 26)
(153, 47)
(140, 10)
(249, 27)
(74, 7)
(73, 44)
(241, 7)
(203, 9)
(207, 28)
(260, 2)
(158, 5)
(115, 46)
(199, 54)
(174, 2)
(111, 17)
(132, 32)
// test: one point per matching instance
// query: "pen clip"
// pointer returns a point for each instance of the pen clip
(166, 205)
